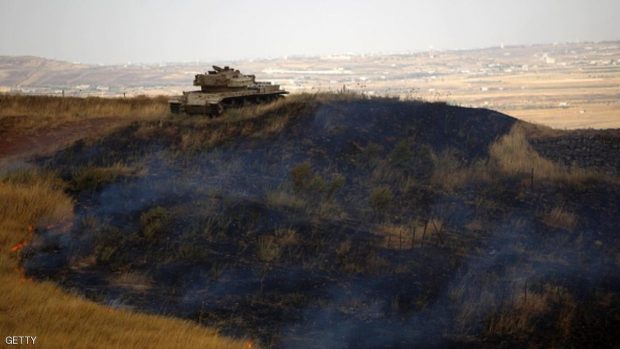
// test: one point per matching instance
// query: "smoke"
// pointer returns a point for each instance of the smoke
(310, 295)
(515, 261)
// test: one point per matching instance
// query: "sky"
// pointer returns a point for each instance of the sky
(153, 31)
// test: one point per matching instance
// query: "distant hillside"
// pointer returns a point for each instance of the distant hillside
(567, 85)
(24, 71)
(44, 75)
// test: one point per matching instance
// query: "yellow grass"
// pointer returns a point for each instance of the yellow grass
(510, 155)
(520, 318)
(516, 314)
(60, 319)
(450, 174)
(412, 235)
(23, 115)
(530, 306)
(76, 107)
(513, 155)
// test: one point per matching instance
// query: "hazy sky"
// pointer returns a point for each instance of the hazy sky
(119, 31)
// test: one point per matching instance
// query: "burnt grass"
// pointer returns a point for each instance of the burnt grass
(319, 226)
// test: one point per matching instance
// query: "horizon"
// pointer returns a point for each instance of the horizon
(354, 54)
(117, 32)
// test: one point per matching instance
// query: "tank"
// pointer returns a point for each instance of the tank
(223, 88)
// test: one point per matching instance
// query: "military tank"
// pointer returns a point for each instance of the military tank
(221, 88)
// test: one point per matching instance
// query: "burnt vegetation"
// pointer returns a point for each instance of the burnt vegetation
(340, 221)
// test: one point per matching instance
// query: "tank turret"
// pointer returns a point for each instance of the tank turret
(224, 87)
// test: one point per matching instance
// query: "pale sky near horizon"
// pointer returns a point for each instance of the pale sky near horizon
(150, 31)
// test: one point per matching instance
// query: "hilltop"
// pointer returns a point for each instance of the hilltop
(341, 221)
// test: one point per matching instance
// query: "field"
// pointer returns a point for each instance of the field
(41, 125)
(322, 220)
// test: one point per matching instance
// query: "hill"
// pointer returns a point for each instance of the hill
(340, 221)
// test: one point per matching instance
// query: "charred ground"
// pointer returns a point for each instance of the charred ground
(345, 222)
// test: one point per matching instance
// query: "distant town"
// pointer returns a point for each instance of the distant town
(565, 85)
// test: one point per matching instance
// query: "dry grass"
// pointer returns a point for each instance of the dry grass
(412, 235)
(520, 317)
(29, 197)
(513, 155)
(253, 111)
(59, 319)
(94, 177)
(528, 307)
(516, 313)
(380, 198)
(42, 124)
(75, 107)
(268, 249)
(559, 217)
(396, 237)
(510, 155)
(450, 174)
(259, 121)
(287, 236)
(283, 199)
(134, 281)
(29, 118)
(281, 108)
(280, 243)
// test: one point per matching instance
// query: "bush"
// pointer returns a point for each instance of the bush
(153, 223)
(108, 243)
(401, 155)
(380, 198)
(190, 252)
(301, 175)
(337, 183)
(268, 249)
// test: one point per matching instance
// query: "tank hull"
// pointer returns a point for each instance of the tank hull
(224, 88)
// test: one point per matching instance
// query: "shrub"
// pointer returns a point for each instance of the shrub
(448, 171)
(286, 237)
(301, 175)
(190, 252)
(380, 198)
(153, 223)
(422, 162)
(108, 243)
(401, 155)
(337, 183)
(313, 185)
(317, 184)
(268, 250)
